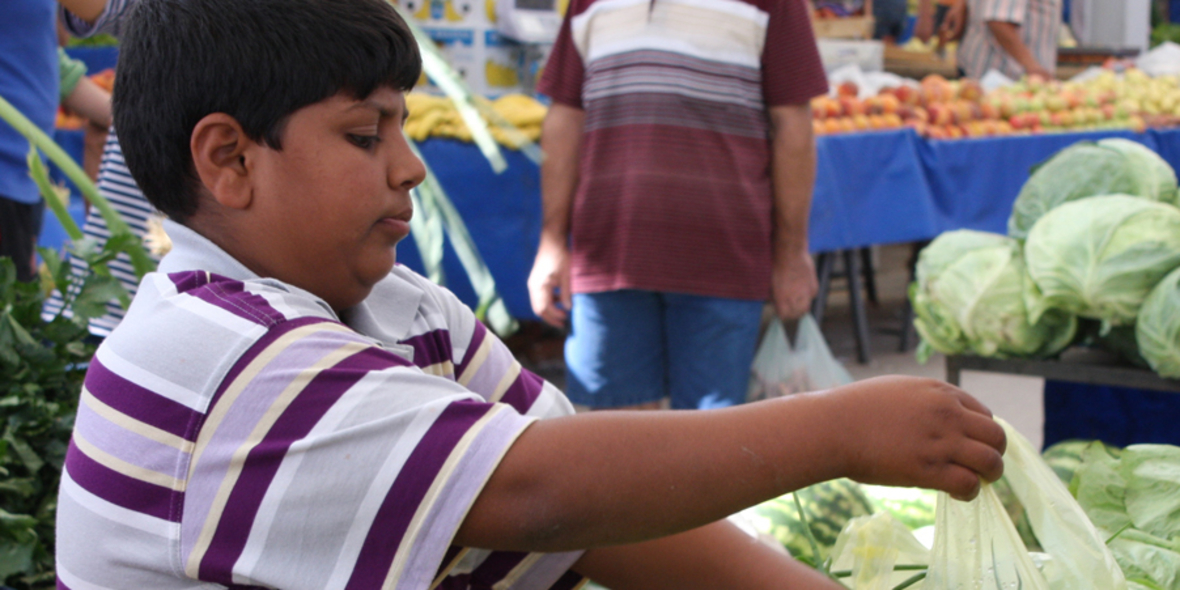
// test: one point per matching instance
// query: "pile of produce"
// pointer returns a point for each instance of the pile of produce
(1129, 498)
(949, 109)
(436, 116)
(1094, 239)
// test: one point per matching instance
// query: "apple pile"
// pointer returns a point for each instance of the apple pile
(938, 108)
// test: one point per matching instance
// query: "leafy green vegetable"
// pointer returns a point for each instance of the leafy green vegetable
(969, 296)
(1133, 496)
(1157, 331)
(1086, 169)
(1100, 256)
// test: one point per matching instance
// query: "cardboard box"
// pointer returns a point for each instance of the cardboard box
(836, 53)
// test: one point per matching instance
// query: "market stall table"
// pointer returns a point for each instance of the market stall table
(882, 187)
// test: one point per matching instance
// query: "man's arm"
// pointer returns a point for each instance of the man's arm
(1008, 36)
(87, 10)
(717, 556)
(549, 281)
(924, 27)
(793, 180)
(91, 102)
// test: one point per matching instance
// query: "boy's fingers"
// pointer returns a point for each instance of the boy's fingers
(971, 403)
(961, 483)
(983, 460)
(986, 431)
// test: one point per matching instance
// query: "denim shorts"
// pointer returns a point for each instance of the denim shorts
(632, 347)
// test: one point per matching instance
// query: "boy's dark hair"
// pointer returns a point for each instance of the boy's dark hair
(258, 61)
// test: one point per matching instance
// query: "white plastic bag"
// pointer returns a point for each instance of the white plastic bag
(976, 545)
(781, 369)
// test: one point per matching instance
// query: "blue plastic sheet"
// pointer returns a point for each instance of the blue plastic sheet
(883, 187)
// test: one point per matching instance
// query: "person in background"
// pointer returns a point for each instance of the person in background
(889, 18)
(932, 21)
(676, 190)
(1014, 37)
(30, 81)
(84, 18)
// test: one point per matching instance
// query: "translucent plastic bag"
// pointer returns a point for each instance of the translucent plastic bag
(976, 546)
(781, 369)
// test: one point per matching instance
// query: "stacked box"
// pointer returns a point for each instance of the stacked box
(465, 31)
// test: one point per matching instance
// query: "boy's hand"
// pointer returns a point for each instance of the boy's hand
(908, 431)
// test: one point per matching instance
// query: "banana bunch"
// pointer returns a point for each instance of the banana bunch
(512, 119)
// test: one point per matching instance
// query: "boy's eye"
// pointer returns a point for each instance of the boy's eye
(364, 141)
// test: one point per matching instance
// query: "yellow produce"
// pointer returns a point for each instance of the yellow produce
(436, 116)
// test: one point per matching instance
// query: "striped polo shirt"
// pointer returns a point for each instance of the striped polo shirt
(674, 186)
(1039, 21)
(235, 432)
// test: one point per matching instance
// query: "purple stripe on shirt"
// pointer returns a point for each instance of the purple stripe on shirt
(408, 490)
(569, 581)
(62, 585)
(144, 405)
(496, 567)
(233, 297)
(524, 391)
(121, 490)
(258, 347)
(477, 335)
(264, 460)
(431, 348)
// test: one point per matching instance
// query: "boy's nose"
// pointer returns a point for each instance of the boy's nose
(406, 171)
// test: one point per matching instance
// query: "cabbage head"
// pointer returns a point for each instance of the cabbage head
(1099, 257)
(1158, 329)
(1085, 169)
(969, 297)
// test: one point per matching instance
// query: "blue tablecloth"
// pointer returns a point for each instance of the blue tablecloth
(872, 188)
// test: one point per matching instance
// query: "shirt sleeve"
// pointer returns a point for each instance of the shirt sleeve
(72, 71)
(792, 72)
(331, 462)
(564, 71)
(108, 22)
(1011, 11)
(485, 366)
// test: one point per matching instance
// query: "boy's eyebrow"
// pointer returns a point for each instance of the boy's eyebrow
(383, 110)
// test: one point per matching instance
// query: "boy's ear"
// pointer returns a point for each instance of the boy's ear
(219, 146)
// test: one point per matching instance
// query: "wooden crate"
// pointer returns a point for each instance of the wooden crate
(852, 27)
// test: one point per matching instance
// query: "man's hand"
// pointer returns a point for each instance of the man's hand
(549, 283)
(794, 284)
(954, 22)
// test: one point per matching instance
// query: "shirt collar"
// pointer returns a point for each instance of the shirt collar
(387, 314)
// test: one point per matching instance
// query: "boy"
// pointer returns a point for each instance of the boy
(282, 407)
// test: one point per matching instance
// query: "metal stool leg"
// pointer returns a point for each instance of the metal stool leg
(860, 319)
(870, 275)
(823, 267)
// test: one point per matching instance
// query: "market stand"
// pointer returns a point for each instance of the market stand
(1077, 365)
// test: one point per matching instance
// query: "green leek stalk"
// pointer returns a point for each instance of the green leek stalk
(140, 261)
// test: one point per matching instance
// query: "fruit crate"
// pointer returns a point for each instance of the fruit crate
(848, 27)
(1093, 56)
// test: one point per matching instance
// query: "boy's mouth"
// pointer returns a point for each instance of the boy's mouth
(398, 224)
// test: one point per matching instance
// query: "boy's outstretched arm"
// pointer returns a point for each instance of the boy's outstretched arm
(717, 556)
(610, 478)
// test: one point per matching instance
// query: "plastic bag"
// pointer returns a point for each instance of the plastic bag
(876, 550)
(976, 545)
(781, 369)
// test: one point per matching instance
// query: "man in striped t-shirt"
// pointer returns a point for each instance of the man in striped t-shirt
(676, 188)
(283, 407)
(1014, 37)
